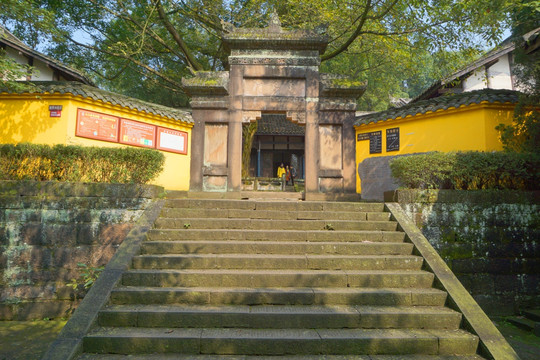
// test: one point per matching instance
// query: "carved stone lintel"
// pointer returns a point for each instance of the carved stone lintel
(297, 117)
(250, 116)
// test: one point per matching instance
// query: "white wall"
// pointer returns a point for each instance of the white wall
(477, 81)
(499, 75)
(41, 71)
(19, 59)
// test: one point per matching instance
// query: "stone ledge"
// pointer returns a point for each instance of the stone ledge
(67, 189)
(463, 196)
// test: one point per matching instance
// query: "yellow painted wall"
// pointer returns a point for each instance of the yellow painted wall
(466, 128)
(25, 118)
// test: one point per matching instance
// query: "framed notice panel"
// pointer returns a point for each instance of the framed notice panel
(392, 139)
(137, 133)
(98, 126)
(172, 140)
(375, 142)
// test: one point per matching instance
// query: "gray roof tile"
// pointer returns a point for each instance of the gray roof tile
(440, 103)
(87, 91)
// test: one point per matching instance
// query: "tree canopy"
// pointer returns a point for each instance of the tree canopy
(145, 47)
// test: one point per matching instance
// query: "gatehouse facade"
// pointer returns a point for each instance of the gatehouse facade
(273, 71)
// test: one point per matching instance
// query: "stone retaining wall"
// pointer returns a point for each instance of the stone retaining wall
(48, 228)
(490, 240)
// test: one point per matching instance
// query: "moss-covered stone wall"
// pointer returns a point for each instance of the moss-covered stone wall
(47, 229)
(490, 240)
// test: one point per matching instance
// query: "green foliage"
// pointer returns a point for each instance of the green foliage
(79, 164)
(523, 135)
(468, 170)
(143, 49)
(88, 276)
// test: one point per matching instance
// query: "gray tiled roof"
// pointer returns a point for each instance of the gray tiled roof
(276, 124)
(441, 103)
(68, 72)
(94, 93)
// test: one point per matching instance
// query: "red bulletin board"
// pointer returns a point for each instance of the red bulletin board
(172, 140)
(94, 125)
(137, 133)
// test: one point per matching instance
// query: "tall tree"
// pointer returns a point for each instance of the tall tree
(160, 41)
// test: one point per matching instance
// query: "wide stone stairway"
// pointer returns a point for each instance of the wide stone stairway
(233, 279)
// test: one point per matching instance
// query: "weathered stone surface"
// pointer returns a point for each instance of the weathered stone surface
(47, 228)
(488, 238)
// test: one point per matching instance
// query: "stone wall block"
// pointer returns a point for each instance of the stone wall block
(31, 233)
(33, 257)
(506, 283)
(86, 233)
(4, 235)
(53, 275)
(6, 312)
(530, 284)
(113, 234)
(46, 309)
(68, 258)
(58, 235)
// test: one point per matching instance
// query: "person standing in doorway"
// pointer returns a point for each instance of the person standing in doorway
(287, 175)
(292, 171)
(281, 171)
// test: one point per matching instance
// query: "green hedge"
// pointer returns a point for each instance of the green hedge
(79, 164)
(470, 170)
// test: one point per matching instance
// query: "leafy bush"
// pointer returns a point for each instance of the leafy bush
(79, 164)
(470, 170)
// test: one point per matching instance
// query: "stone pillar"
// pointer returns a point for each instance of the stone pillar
(197, 152)
(349, 154)
(236, 92)
(312, 132)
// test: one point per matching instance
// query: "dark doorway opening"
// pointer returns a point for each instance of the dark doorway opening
(277, 141)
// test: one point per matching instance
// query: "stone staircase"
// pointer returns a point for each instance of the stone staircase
(233, 279)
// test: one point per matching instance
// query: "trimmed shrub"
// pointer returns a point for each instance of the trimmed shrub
(79, 164)
(470, 170)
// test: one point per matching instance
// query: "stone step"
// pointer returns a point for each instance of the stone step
(280, 317)
(283, 357)
(532, 314)
(278, 278)
(279, 261)
(522, 322)
(274, 214)
(275, 235)
(275, 247)
(275, 205)
(279, 296)
(229, 341)
(265, 224)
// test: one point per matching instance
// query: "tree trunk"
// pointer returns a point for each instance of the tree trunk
(248, 133)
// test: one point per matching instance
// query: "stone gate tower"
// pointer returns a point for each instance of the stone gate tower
(273, 71)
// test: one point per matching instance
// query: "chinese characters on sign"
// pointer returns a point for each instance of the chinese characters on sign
(375, 141)
(137, 133)
(55, 110)
(98, 126)
(392, 139)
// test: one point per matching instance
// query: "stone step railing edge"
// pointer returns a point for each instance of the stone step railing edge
(493, 345)
(68, 344)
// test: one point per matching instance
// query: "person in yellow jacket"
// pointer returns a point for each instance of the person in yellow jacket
(281, 171)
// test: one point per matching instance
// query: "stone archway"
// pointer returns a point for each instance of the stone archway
(273, 70)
